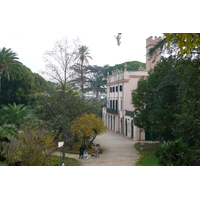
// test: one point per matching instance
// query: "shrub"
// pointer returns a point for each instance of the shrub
(175, 153)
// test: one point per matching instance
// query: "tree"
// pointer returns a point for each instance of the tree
(7, 133)
(96, 80)
(59, 60)
(21, 89)
(155, 101)
(33, 146)
(82, 59)
(8, 63)
(186, 43)
(59, 110)
(182, 45)
(88, 126)
(175, 153)
(16, 114)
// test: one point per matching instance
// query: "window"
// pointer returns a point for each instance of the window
(120, 88)
(116, 104)
(116, 88)
(110, 89)
(113, 89)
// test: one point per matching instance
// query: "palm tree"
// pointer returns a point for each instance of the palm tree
(97, 79)
(16, 114)
(82, 60)
(97, 85)
(8, 63)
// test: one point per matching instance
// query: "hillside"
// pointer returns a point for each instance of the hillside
(131, 66)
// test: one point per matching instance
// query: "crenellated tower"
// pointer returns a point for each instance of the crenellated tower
(151, 62)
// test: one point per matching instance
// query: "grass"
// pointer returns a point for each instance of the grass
(3, 164)
(147, 157)
(56, 161)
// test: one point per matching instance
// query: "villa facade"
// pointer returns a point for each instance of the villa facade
(117, 114)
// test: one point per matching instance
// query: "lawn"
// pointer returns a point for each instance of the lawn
(56, 161)
(147, 157)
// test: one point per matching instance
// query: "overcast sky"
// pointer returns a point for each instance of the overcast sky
(31, 27)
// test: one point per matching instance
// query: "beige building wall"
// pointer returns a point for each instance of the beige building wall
(118, 114)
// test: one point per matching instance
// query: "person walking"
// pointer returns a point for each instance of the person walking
(81, 151)
(96, 149)
(84, 150)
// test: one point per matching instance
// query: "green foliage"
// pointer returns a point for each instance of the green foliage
(188, 121)
(155, 100)
(175, 153)
(131, 66)
(182, 45)
(167, 102)
(7, 134)
(32, 147)
(60, 109)
(20, 89)
(96, 80)
(88, 126)
(186, 43)
(8, 63)
(15, 114)
(9, 131)
(147, 157)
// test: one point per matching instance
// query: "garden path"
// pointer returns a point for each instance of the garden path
(118, 151)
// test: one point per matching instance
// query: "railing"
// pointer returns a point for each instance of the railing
(129, 113)
(112, 111)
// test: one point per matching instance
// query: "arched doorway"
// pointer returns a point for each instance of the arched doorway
(132, 129)
(126, 127)
(122, 126)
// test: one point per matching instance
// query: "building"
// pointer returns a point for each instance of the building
(117, 114)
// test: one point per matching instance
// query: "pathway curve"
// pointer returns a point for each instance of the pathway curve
(118, 151)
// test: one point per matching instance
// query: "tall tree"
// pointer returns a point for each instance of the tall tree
(96, 80)
(60, 109)
(155, 101)
(8, 63)
(59, 60)
(82, 59)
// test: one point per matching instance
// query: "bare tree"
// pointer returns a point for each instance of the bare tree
(59, 60)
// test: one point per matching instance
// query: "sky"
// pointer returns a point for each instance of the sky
(31, 27)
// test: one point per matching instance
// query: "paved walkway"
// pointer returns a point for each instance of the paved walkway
(118, 151)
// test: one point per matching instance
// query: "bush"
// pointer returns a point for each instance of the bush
(175, 153)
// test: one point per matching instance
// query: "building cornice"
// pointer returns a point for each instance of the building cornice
(118, 82)
(138, 76)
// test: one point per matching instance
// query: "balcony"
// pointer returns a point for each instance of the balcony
(111, 111)
(129, 113)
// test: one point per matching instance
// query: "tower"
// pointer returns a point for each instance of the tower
(151, 62)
